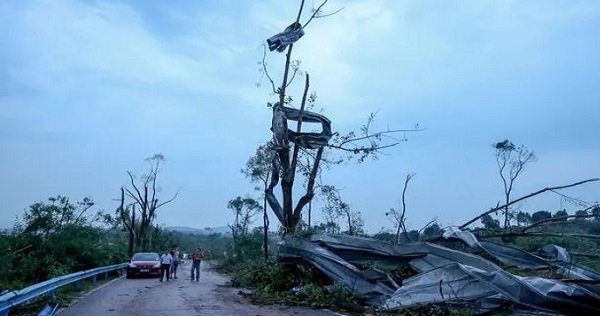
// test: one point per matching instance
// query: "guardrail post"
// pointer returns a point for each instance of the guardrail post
(94, 278)
(4, 312)
(78, 285)
(105, 275)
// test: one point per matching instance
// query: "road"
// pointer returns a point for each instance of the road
(179, 297)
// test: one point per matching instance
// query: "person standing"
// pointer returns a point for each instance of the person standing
(176, 259)
(196, 260)
(165, 264)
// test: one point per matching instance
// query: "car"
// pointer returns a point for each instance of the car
(144, 264)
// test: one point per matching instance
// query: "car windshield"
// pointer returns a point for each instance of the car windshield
(145, 257)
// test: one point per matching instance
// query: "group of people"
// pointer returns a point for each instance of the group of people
(170, 259)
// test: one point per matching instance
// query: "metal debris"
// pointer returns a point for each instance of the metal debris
(449, 276)
(290, 35)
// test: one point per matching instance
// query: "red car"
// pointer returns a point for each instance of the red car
(144, 264)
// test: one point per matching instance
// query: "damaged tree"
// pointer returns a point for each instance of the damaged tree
(145, 195)
(129, 221)
(511, 160)
(288, 143)
(399, 216)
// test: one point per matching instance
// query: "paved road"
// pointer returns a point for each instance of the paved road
(180, 297)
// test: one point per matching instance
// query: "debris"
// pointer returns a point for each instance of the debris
(303, 139)
(290, 35)
(448, 276)
(244, 292)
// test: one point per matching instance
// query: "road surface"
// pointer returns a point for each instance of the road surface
(179, 297)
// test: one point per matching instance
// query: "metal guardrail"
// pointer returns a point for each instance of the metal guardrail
(15, 298)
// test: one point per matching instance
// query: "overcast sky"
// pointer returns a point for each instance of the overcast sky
(89, 89)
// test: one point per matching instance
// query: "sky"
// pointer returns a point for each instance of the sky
(89, 89)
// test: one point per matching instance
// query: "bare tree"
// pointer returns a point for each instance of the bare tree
(399, 216)
(511, 160)
(289, 143)
(145, 195)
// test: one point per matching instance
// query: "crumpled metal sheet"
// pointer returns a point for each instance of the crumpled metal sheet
(557, 253)
(446, 276)
(512, 256)
(422, 256)
(445, 284)
(310, 140)
(458, 283)
(290, 35)
(336, 268)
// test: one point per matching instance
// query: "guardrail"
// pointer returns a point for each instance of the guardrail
(15, 298)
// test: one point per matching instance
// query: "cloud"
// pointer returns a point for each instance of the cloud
(90, 88)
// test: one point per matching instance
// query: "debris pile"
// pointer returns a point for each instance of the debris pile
(451, 277)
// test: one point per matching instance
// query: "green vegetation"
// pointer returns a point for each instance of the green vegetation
(56, 237)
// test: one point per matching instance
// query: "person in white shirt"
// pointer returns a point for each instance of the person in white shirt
(165, 265)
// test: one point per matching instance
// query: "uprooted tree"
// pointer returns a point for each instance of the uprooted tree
(288, 144)
(146, 201)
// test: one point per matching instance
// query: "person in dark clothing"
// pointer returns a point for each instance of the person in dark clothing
(176, 260)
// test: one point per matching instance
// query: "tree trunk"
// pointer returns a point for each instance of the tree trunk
(265, 228)
(506, 221)
(131, 248)
(309, 212)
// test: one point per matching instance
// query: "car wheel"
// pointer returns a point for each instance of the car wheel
(128, 276)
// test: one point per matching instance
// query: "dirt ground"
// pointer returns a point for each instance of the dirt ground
(179, 297)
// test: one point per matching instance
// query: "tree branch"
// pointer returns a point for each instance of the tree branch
(139, 194)
(292, 171)
(168, 201)
(310, 187)
(463, 226)
(316, 12)
(265, 70)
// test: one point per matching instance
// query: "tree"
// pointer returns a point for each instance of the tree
(57, 237)
(43, 219)
(399, 216)
(258, 170)
(432, 230)
(511, 160)
(596, 212)
(580, 216)
(289, 143)
(490, 223)
(127, 216)
(243, 209)
(146, 196)
(560, 214)
(540, 215)
(336, 208)
(523, 218)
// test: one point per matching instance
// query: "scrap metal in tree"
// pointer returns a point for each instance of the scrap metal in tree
(288, 143)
